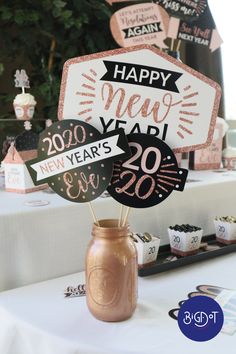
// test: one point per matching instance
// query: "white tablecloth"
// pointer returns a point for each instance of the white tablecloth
(37, 319)
(40, 243)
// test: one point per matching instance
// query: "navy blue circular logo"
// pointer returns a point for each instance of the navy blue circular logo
(200, 318)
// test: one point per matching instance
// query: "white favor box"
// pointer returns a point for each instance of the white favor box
(17, 177)
(185, 243)
(147, 251)
(225, 231)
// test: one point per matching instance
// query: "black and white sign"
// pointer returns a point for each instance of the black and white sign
(141, 90)
(76, 160)
(187, 10)
(149, 176)
(201, 31)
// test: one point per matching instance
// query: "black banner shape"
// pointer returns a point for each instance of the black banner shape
(137, 31)
(141, 75)
(186, 10)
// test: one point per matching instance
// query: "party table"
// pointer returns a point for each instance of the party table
(43, 242)
(37, 319)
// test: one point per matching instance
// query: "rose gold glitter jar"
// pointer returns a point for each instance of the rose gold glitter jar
(111, 272)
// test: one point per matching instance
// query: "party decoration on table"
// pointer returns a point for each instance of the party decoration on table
(24, 103)
(184, 10)
(23, 149)
(145, 23)
(229, 158)
(185, 240)
(226, 299)
(147, 246)
(149, 176)
(111, 272)
(77, 291)
(37, 203)
(165, 107)
(225, 227)
(76, 160)
(142, 90)
(166, 260)
(201, 31)
(210, 157)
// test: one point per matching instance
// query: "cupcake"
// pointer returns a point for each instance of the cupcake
(185, 239)
(225, 227)
(24, 105)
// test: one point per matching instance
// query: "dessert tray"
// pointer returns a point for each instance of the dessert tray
(166, 260)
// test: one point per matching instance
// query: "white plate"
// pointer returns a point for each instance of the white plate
(36, 203)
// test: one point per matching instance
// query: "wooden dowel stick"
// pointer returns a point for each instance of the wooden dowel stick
(172, 44)
(126, 216)
(121, 215)
(93, 214)
(178, 45)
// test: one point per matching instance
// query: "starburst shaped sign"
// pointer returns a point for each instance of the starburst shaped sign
(141, 90)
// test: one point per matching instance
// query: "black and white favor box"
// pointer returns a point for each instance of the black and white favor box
(225, 229)
(147, 247)
(185, 239)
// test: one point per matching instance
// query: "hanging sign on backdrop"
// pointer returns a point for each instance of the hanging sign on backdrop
(201, 31)
(145, 23)
(141, 90)
(76, 160)
(182, 9)
(149, 176)
(194, 33)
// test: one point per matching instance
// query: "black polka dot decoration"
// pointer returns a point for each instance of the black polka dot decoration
(76, 160)
(149, 176)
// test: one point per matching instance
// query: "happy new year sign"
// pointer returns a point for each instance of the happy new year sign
(141, 90)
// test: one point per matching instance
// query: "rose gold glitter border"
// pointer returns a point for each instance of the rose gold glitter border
(191, 71)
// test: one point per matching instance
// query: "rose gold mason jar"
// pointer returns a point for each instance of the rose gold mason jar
(111, 272)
